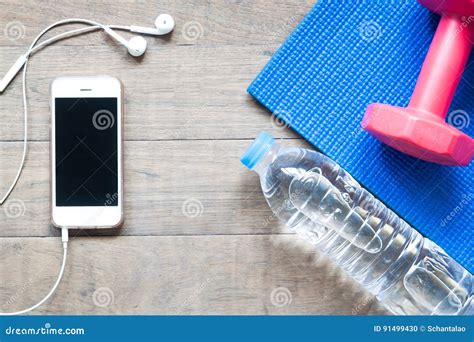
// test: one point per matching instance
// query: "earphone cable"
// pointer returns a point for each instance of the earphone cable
(75, 32)
(33, 48)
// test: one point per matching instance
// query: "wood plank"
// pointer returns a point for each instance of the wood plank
(184, 92)
(223, 22)
(188, 119)
(178, 275)
(161, 178)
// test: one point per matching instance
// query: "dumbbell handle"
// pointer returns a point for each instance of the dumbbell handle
(444, 65)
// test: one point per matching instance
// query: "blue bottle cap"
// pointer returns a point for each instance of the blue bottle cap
(259, 147)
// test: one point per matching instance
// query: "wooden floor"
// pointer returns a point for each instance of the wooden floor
(198, 237)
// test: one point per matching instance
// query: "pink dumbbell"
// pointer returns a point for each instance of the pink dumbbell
(420, 130)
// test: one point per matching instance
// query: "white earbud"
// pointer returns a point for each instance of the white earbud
(135, 46)
(164, 24)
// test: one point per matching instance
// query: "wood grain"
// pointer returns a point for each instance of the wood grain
(221, 22)
(165, 181)
(178, 275)
(174, 93)
(188, 119)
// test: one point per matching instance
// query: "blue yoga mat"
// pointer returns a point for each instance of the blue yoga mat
(346, 55)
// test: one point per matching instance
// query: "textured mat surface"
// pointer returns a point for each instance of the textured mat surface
(347, 54)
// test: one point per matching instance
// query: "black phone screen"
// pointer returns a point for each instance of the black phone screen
(86, 161)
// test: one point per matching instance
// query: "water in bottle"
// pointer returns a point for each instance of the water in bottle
(316, 198)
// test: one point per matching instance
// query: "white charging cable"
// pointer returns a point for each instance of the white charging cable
(65, 239)
(34, 48)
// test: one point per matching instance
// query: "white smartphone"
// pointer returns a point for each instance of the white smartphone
(86, 152)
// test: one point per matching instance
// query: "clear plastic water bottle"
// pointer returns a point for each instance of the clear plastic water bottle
(315, 197)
